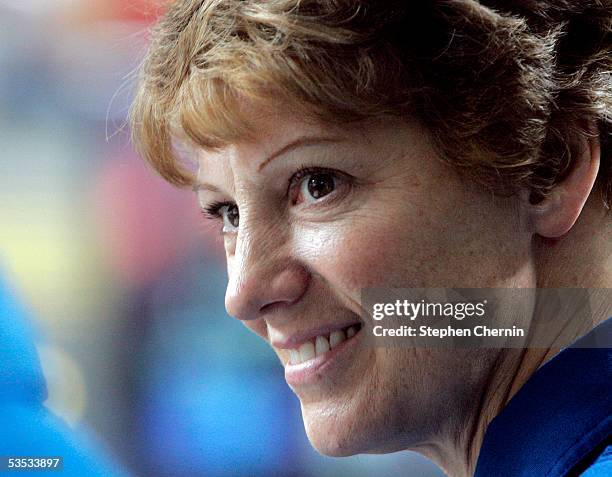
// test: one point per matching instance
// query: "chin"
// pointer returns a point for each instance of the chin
(335, 443)
(331, 428)
(337, 432)
(332, 443)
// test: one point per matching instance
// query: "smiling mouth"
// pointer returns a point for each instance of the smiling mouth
(319, 345)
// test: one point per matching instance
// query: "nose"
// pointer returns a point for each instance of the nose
(259, 279)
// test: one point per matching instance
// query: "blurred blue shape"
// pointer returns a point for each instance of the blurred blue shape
(230, 423)
(27, 428)
(21, 377)
(212, 399)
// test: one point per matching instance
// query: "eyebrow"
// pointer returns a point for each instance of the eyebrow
(204, 186)
(304, 141)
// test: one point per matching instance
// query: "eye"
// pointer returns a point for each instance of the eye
(231, 217)
(315, 185)
(227, 212)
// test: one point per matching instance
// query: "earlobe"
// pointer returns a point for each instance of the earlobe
(557, 213)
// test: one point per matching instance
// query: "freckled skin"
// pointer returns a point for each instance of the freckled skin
(409, 221)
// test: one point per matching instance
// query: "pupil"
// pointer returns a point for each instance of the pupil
(232, 216)
(320, 185)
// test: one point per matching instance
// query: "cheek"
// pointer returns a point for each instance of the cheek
(372, 251)
(349, 256)
(371, 257)
(414, 251)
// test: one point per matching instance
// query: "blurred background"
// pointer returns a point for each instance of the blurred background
(119, 274)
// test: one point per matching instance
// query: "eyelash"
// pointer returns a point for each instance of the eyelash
(213, 210)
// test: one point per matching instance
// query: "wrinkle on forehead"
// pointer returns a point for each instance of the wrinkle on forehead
(241, 160)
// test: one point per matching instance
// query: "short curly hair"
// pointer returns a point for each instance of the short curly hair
(508, 88)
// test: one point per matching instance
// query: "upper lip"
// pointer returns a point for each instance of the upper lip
(294, 340)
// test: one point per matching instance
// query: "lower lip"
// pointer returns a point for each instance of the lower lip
(307, 372)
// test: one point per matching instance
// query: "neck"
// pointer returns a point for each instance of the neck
(456, 452)
(580, 259)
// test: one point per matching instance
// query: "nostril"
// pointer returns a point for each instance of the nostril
(272, 307)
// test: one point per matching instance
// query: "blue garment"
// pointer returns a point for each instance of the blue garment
(27, 428)
(560, 422)
(602, 466)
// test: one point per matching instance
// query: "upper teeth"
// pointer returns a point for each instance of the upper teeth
(321, 344)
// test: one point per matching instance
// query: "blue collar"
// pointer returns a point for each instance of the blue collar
(558, 417)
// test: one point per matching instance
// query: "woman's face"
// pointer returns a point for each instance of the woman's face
(312, 214)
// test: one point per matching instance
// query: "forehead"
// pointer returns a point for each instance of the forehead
(270, 131)
(273, 130)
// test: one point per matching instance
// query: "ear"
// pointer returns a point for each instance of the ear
(557, 213)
